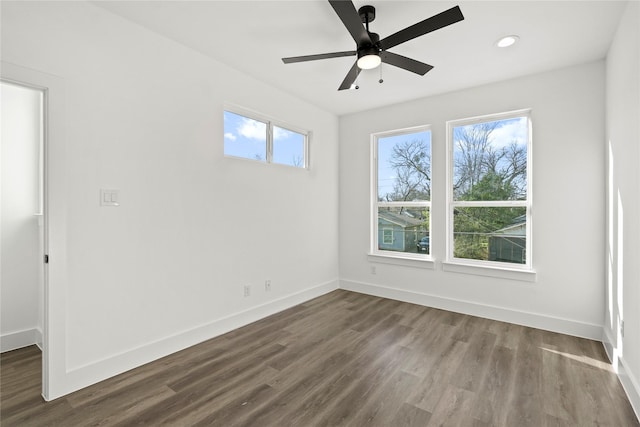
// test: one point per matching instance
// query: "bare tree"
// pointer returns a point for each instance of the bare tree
(412, 163)
(476, 158)
(514, 171)
(474, 155)
(297, 161)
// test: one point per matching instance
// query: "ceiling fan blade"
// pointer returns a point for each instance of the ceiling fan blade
(405, 63)
(319, 56)
(351, 19)
(448, 17)
(351, 77)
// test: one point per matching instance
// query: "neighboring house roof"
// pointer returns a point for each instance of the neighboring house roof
(400, 220)
(518, 228)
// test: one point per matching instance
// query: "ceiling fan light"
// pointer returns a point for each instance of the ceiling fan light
(368, 62)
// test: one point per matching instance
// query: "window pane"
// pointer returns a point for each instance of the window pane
(404, 167)
(288, 147)
(244, 137)
(404, 229)
(490, 234)
(490, 160)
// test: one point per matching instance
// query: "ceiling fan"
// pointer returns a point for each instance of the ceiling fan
(371, 51)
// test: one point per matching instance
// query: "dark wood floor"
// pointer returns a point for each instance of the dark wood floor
(345, 359)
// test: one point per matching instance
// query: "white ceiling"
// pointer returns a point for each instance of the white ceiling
(252, 36)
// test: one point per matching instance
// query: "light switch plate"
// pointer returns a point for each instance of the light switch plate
(109, 197)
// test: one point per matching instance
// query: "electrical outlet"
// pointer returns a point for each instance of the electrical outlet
(373, 269)
(267, 285)
(622, 328)
(247, 290)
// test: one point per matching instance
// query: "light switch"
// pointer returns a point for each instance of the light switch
(109, 197)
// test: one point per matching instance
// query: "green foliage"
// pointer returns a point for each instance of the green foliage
(474, 225)
(426, 218)
(490, 187)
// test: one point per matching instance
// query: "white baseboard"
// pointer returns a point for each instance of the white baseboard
(630, 384)
(534, 320)
(629, 381)
(15, 340)
(97, 371)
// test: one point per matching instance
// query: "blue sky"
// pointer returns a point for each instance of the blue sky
(507, 131)
(247, 138)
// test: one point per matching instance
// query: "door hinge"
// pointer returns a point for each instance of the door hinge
(46, 259)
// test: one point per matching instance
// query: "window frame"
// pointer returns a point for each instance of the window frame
(375, 253)
(384, 236)
(466, 264)
(270, 123)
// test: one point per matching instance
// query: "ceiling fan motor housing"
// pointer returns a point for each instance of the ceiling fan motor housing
(371, 50)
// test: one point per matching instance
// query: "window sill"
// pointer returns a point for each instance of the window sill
(402, 260)
(490, 271)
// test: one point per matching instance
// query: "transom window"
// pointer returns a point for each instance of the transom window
(489, 204)
(250, 136)
(401, 192)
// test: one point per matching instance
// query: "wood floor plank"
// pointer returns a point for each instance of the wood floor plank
(475, 363)
(492, 399)
(384, 403)
(115, 407)
(344, 359)
(361, 364)
(363, 389)
(433, 387)
(428, 347)
(558, 387)
(508, 334)
(453, 408)
(209, 389)
(410, 416)
(526, 408)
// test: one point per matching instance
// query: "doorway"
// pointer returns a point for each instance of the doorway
(22, 217)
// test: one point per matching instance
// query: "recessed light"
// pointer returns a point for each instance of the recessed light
(507, 41)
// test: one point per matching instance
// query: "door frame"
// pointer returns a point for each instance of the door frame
(54, 222)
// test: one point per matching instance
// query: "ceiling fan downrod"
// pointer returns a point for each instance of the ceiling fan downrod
(367, 14)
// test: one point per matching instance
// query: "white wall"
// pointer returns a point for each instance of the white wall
(623, 202)
(20, 262)
(167, 267)
(568, 195)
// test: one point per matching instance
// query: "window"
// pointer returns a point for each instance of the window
(245, 137)
(387, 236)
(288, 147)
(250, 136)
(401, 192)
(489, 190)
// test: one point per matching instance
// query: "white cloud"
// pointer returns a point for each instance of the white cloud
(230, 136)
(279, 133)
(252, 129)
(515, 130)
